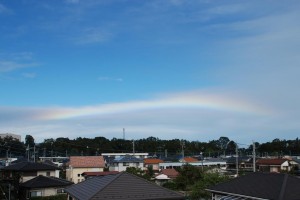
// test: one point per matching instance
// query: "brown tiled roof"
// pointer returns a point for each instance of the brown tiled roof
(152, 161)
(171, 173)
(87, 161)
(190, 159)
(277, 161)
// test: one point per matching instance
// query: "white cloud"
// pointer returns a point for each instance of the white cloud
(16, 61)
(195, 116)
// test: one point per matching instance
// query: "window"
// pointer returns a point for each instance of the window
(78, 175)
(48, 173)
(125, 164)
(60, 191)
(78, 180)
(35, 193)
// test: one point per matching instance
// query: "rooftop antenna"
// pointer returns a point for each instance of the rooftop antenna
(123, 133)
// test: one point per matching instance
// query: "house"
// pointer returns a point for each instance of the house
(43, 186)
(79, 164)
(258, 185)
(152, 162)
(29, 170)
(171, 173)
(165, 176)
(120, 164)
(245, 163)
(188, 160)
(87, 175)
(122, 186)
(273, 165)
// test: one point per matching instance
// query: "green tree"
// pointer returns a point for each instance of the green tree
(208, 179)
(29, 140)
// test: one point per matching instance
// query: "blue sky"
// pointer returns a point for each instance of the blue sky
(190, 69)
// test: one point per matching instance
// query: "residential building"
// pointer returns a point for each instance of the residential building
(166, 175)
(87, 175)
(29, 170)
(205, 163)
(152, 162)
(43, 186)
(258, 186)
(273, 165)
(80, 164)
(245, 163)
(120, 164)
(122, 186)
(117, 155)
(188, 160)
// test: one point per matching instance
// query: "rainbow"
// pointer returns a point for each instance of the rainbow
(185, 100)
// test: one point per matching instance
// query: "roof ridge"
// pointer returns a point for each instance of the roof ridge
(283, 187)
(114, 178)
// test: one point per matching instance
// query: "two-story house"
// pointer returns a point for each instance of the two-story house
(32, 179)
(29, 170)
(120, 164)
(80, 164)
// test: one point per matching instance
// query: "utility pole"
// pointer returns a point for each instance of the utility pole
(182, 148)
(34, 153)
(28, 151)
(237, 160)
(166, 153)
(133, 150)
(254, 155)
(123, 133)
(44, 154)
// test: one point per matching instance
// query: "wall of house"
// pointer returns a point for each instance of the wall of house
(154, 166)
(120, 167)
(45, 191)
(74, 174)
(52, 173)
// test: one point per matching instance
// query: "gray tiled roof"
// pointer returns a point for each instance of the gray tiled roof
(45, 182)
(262, 185)
(128, 159)
(123, 186)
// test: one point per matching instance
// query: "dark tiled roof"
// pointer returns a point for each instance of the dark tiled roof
(277, 161)
(29, 166)
(262, 185)
(45, 182)
(122, 186)
(100, 173)
(129, 159)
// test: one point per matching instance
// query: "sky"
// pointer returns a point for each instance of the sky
(186, 69)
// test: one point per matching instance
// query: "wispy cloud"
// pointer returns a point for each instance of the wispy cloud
(4, 9)
(92, 36)
(105, 78)
(14, 62)
(29, 75)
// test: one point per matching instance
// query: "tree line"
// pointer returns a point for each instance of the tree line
(62, 146)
